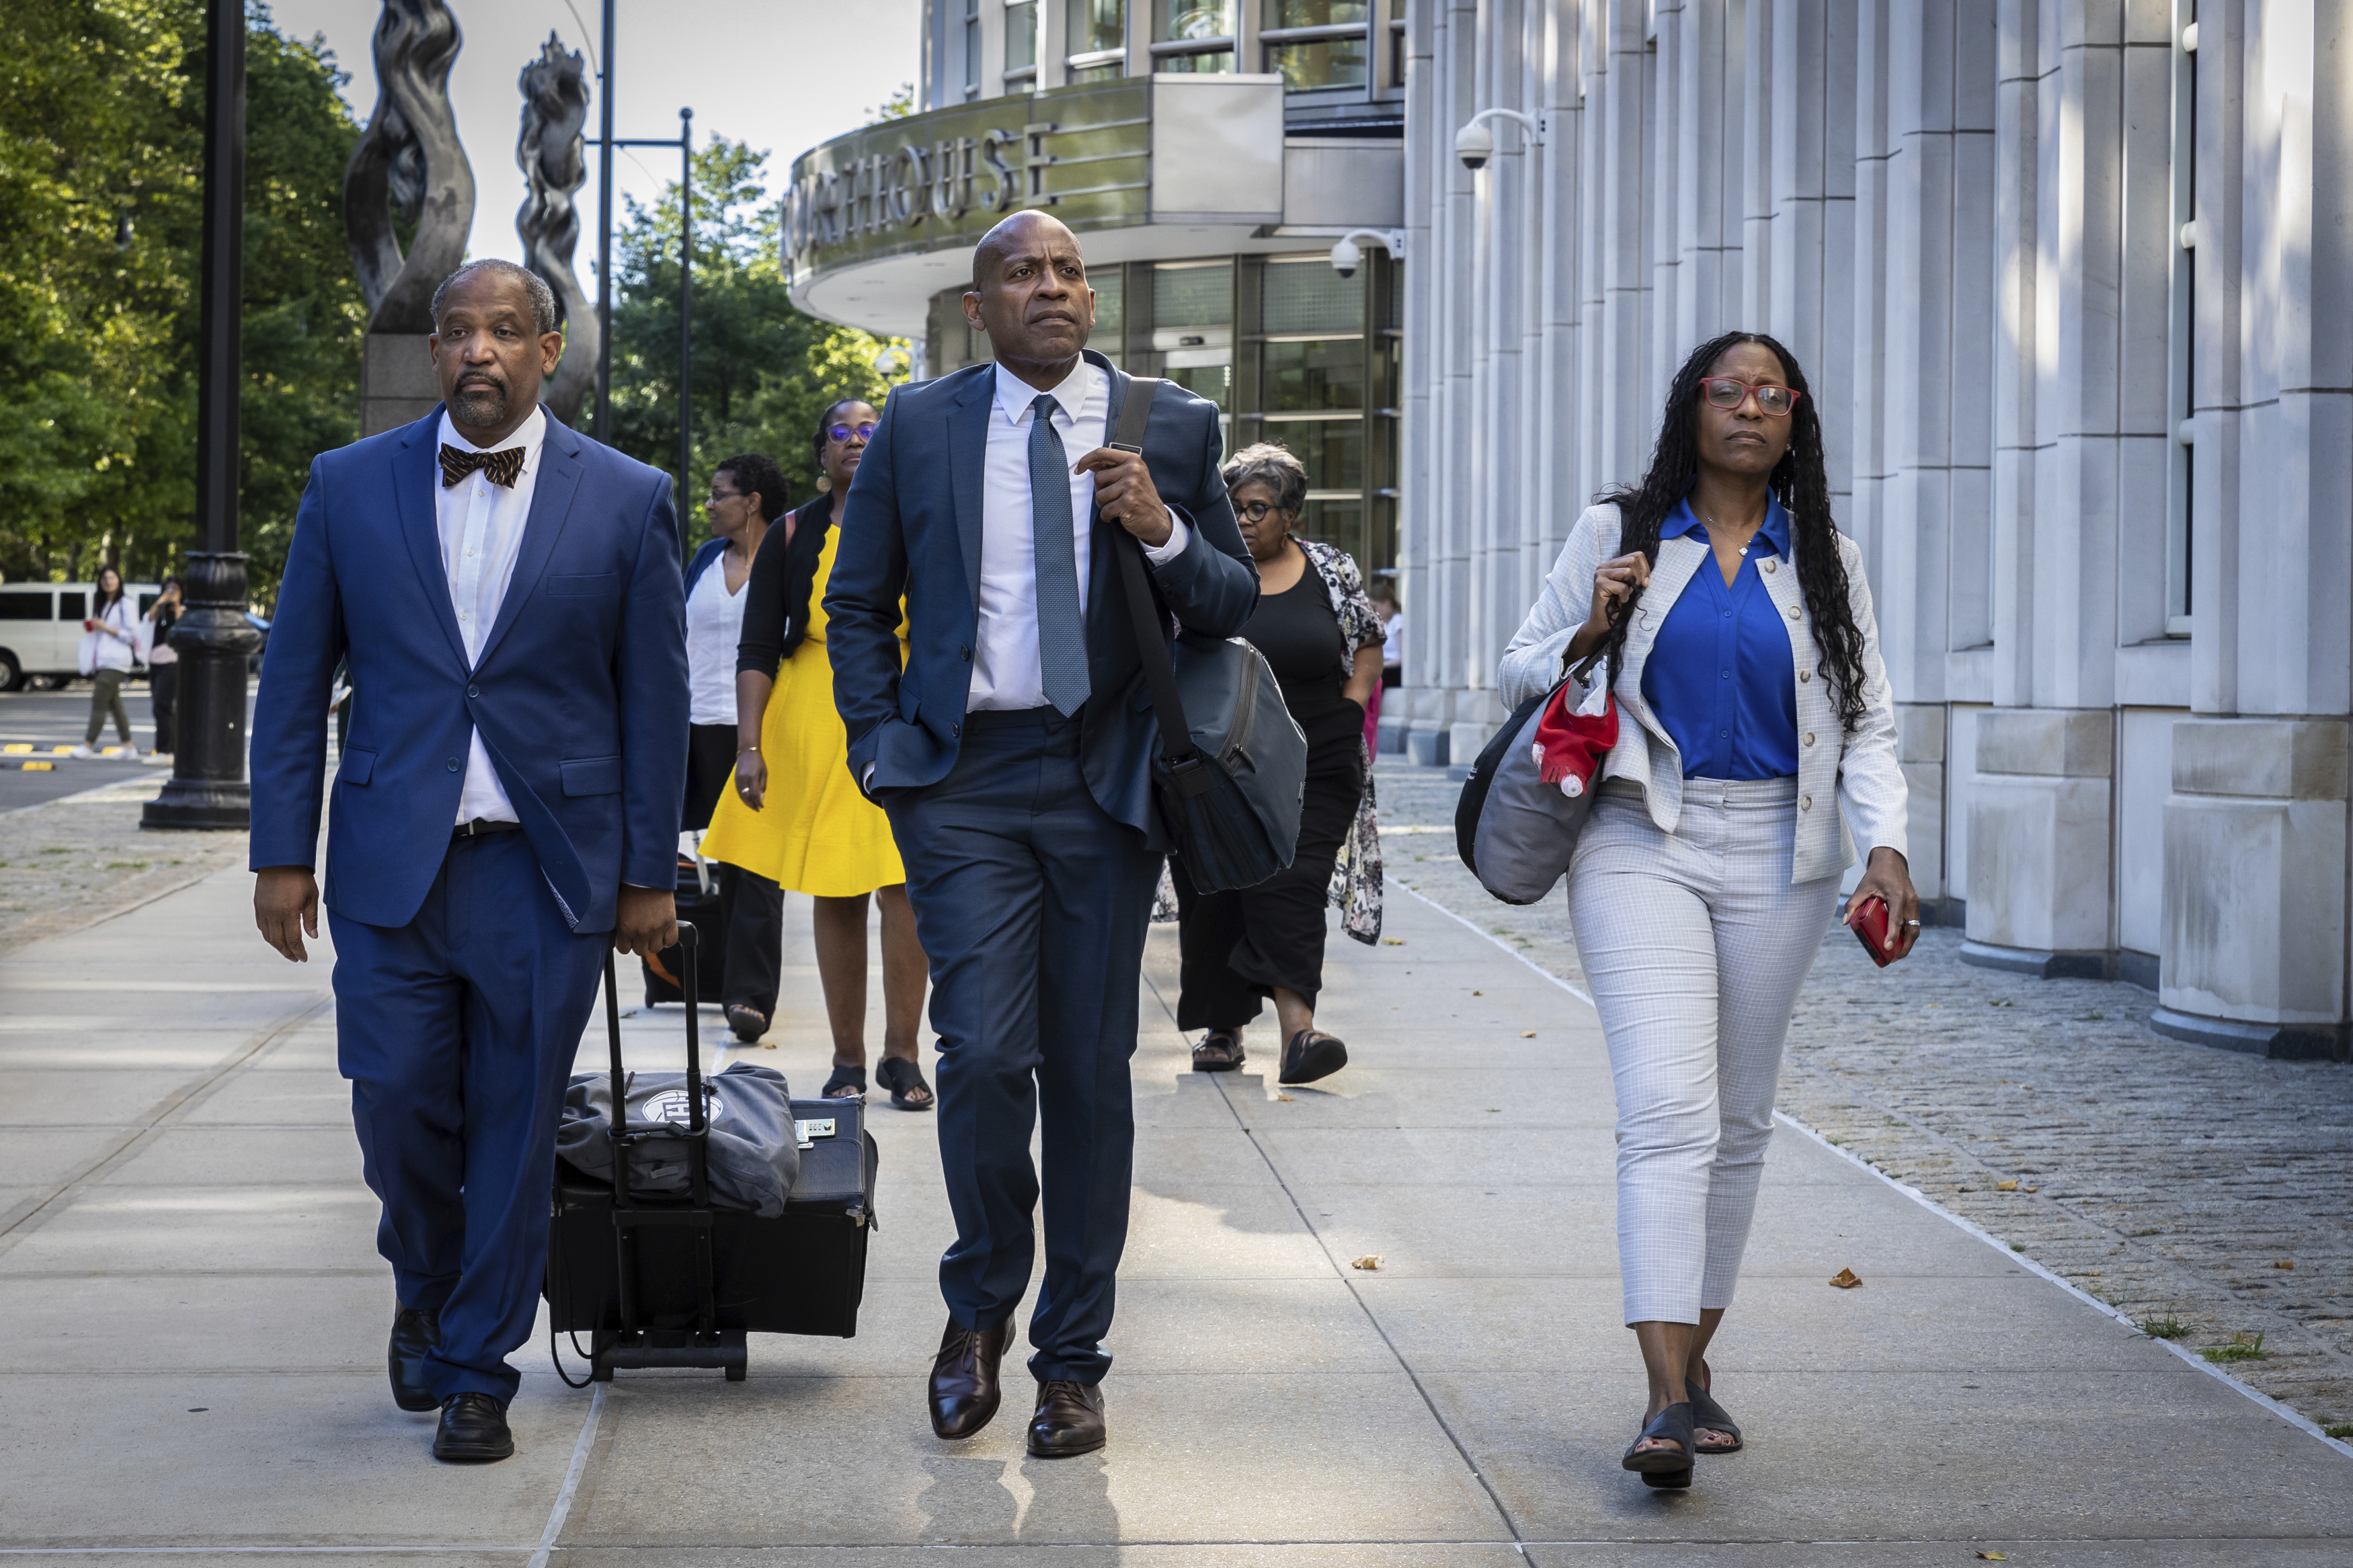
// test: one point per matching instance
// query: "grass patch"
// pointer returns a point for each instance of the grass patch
(2240, 1347)
(125, 866)
(2167, 1328)
(2018, 1246)
(2340, 1431)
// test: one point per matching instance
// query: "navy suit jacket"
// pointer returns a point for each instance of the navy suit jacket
(911, 526)
(580, 694)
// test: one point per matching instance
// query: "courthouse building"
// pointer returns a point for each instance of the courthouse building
(2072, 281)
(1209, 153)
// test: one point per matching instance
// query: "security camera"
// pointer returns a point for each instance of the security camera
(1345, 258)
(1474, 145)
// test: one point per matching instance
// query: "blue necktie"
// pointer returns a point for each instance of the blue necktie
(1061, 629)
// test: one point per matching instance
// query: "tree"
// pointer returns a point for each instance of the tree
(764, 371)
(101, 142)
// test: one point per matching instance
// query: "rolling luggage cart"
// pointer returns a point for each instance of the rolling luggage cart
(662, 1282)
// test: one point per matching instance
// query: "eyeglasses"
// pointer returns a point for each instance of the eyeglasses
(1773, 401)
(844, 432)
(1256, 510)
(718, 495)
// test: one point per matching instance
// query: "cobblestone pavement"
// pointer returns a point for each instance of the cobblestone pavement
(73, 862)
(2198, 1191)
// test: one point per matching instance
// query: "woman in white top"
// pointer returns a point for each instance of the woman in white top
(110, 641)
(747, 494)
(162, 662)
(1753, 706)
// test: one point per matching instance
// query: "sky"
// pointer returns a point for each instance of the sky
(782, 75)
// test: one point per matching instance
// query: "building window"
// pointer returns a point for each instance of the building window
(1318, 44)
(1020, 41)
(1097, 40)
(972, 48)
(2181, 329)
(1193, 35)
(1193, 331)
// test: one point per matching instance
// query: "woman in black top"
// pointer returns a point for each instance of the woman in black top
(1319, 634)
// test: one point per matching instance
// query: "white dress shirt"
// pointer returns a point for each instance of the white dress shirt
(480, 525)
(1005, 667)
(714, 626)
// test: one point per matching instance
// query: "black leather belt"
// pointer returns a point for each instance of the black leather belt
(478, 826)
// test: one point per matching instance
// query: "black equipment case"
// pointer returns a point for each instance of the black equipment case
(699, 905)
(671, 1281)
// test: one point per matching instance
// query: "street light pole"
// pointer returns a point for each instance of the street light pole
(685, 316)
(208, 787)
(604, 428)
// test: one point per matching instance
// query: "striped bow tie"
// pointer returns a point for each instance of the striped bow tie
(501, 468)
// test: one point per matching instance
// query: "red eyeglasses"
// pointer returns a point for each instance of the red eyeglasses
(1773, 401)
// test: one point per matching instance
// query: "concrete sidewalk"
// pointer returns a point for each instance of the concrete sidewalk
(193, 1362)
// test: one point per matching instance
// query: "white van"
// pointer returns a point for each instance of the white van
(40, 626)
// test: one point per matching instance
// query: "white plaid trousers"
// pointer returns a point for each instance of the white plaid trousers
(1696, 944)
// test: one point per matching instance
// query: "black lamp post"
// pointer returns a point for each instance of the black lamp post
(214, 639)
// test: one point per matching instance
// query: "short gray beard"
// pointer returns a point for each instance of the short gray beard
(480, 406)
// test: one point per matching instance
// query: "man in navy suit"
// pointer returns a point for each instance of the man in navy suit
(508, 595)
(1013, 754)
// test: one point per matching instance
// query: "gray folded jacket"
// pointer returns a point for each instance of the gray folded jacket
(754, 1154)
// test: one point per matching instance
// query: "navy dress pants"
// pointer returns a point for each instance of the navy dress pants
(457, 1032)
(1032, 903)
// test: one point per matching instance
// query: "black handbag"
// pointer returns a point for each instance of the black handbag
(1232, 768)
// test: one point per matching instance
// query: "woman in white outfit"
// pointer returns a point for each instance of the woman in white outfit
(1753, 705)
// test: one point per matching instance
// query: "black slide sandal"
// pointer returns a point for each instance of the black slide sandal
(1312, 1054)
(1663, 1467)
(903, 1077)
(845, 1078)
(1707, 1416)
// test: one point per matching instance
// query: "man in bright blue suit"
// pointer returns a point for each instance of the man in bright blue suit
(1013, 754)
(507, 593)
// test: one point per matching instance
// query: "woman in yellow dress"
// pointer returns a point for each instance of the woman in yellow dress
(792, 813)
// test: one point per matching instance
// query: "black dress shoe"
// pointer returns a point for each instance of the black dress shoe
(964, 1393)
(473, 1427)
(1070, 1419)
(414, 1332)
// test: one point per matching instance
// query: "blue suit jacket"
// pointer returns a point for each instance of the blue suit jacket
(580, 693)
(911, 526)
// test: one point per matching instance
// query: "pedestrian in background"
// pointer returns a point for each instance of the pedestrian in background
(1753, 706)
(162, 662)
(1319, 633)
(795, 816)
(747, 495)
(110, 644)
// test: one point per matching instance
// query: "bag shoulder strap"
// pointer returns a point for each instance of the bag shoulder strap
(1151, 648)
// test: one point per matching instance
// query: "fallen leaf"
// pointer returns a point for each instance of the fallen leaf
(1527, 1033)
(2005, 1186)
(1845, 1280)
(1392, 942)
(1369, 1262)
(2034, 1189)
(1284, 1098)
(767, 1045)
(2284, 1263)
(1478, 994)
(1992, 1557)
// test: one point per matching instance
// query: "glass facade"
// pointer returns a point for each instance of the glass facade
(1319, 45)
(1095, 27)
(1289, 350)
(1020, 38)
(1193, 35)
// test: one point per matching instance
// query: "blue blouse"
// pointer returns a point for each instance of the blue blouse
(1720, 677)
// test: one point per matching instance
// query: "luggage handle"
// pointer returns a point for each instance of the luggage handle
(687, 937)
(625, 1220)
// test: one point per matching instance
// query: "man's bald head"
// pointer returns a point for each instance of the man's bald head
(1028, 230)
(1029, 294)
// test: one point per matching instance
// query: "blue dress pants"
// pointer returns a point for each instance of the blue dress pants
(1032, 903)
(457, 1032)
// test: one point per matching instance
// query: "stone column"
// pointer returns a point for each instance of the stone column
(396, 382)
(2254, 888)
(2039, 843)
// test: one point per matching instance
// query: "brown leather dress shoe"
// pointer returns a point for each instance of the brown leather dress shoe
(964, 1393)
(1070, 1419)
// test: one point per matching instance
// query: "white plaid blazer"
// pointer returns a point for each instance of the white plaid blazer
(1860, 771)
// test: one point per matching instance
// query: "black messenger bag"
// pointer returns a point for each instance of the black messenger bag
(1232, 768)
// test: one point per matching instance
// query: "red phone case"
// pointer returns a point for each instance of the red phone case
(1871, 930)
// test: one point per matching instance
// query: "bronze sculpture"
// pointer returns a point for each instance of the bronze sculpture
(409, 166)
(552, 153)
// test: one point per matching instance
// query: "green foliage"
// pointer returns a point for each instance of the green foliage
(763, 371)
(900, 105)
(101, 140)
